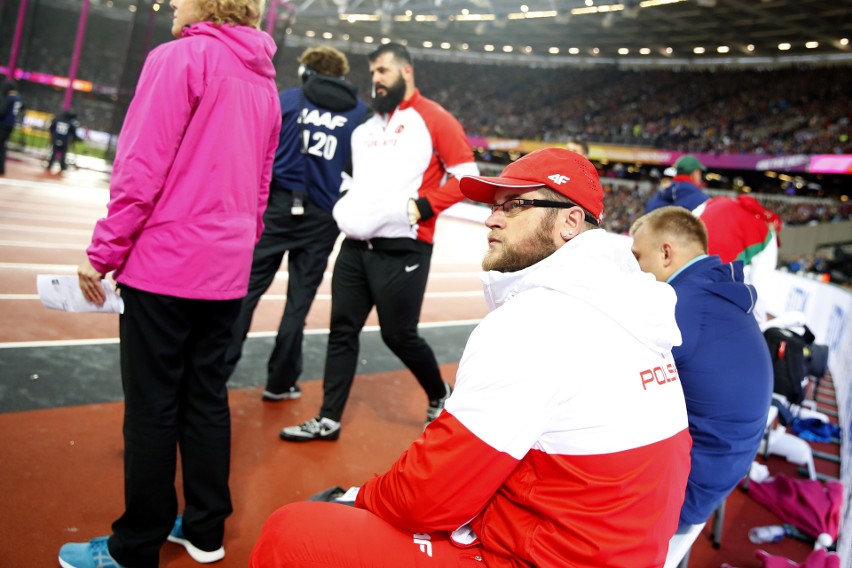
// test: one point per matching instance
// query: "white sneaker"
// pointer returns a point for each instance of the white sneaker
(437, 405)
(200, 556)
(314, 429)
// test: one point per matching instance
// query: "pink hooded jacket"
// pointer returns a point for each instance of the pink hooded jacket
(191, 177)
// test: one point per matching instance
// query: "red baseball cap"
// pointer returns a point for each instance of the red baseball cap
(561, 170)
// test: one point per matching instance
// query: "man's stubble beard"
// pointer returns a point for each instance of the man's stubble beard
(518, 256)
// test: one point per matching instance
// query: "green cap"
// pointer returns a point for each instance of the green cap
(687, 164)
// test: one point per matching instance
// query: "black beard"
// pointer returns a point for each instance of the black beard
(384, 104)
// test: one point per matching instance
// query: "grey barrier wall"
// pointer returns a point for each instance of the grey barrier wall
(802, 240)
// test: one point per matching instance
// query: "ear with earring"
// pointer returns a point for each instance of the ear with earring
(565, 235)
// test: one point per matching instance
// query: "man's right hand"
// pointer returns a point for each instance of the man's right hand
(90, 284)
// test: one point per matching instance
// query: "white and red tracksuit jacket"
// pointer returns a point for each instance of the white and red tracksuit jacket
(404, 155)
(565, 442)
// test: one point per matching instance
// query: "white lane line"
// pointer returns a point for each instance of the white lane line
(52, 187)
(38, 267)
(58, 343)
(111, 340)
(278, 276)
(428, 295)
(50, 230)
(62, 246)
(436, 275)
(88, 220)
(281, 297)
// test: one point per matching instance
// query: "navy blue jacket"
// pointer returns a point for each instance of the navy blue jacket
(316, 133)
(726, 373)
(63, 130)
(681, 193)
(13, 103)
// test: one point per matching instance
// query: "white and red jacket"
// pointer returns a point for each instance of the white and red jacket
(407, 154)
(565, 442)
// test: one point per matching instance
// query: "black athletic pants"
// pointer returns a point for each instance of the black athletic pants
(5, 134)
(394, 281)
(308, 240)
(58, 154)
(172, 371)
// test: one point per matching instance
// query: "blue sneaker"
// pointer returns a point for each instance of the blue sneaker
(200, 556)
(92, 554)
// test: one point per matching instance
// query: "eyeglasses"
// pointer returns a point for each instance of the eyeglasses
(512, 207)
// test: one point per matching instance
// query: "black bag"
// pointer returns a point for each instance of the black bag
(789, 352)
(331, 495)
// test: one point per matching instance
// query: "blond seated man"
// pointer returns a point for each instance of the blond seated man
(723, 362)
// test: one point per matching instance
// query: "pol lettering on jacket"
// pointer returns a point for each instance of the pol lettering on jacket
(658, 375)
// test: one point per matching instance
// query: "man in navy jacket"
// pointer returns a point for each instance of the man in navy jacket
(723, 363)
(314, 151)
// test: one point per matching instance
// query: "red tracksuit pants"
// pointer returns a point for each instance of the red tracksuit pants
(329, 535)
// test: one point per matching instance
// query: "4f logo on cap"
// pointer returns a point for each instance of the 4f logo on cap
(558, 179)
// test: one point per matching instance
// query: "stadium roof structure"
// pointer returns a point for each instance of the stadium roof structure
(628, 33)
(624, 33)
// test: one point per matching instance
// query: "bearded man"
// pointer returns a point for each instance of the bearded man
(401, 158)
(565, 442)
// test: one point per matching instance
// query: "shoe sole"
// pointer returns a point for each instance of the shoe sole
(200, 556)
(290, 438)
(270, 397)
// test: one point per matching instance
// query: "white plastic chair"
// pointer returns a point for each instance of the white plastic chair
(679, 546)
(791, 447)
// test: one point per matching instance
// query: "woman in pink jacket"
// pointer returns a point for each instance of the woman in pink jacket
(187, 195)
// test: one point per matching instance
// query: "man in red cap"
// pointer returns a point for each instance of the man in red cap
(565, 442)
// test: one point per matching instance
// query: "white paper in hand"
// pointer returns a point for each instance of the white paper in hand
(62, 292)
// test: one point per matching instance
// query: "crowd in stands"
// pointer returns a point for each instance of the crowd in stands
(624, 202)
(762, 111)
(834, 265)
(780, 111)
(771, 111)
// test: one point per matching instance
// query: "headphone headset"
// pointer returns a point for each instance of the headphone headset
(306, 72)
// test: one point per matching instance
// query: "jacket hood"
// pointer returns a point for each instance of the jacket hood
(598, 269)
(722, 280)
(252, 46)
(680, 193)
(332, 93)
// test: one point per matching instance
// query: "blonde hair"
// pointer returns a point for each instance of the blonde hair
(676, 222)
(235, 12)
(325, 60)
